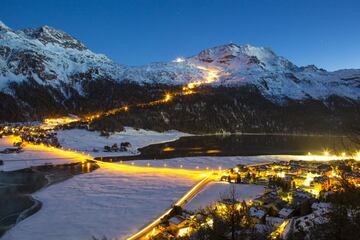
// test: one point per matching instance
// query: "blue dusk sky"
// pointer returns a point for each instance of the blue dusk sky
(134, 32)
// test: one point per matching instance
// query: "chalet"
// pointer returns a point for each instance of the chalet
(302, 194)
(257, 215)
(286, 212)
(353, 177)
(176, 223)
(274, 221)
(321, 183)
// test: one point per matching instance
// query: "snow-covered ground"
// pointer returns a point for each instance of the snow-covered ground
(82, 141)
(104, 202)
(86, 141)
(31, 156)
(214, 191)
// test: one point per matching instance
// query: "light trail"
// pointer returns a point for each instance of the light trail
(211, 75)
(279, 230)
(70, 154)
(191, 174)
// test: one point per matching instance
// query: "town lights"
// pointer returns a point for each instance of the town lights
(126, 108)
(326, 153)
(357, 156)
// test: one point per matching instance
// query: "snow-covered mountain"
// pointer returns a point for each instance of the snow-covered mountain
(276, 76)
(52, 57)
(45, 72)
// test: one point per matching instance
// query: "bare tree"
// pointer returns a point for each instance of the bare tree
(229, 219)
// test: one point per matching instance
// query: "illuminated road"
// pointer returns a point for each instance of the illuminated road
(279, 230)
(146, 231)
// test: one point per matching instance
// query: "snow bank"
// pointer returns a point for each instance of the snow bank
(215, 190)
(104, 202)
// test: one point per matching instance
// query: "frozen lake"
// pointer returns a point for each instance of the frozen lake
(104, 202)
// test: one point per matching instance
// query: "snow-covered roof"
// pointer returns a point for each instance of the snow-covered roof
(286, 212)
(255, 212)
(177, 220)
(320, 206)
(274, 221)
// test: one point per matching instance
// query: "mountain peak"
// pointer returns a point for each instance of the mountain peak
(46, 34)
(3, 26)
(234, 56)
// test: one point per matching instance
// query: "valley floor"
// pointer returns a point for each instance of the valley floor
(115, 201)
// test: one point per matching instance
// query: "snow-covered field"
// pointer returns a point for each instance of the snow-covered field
(104, 202)
(86, 141)
(30, 157)
(81, 141)
(214, 191)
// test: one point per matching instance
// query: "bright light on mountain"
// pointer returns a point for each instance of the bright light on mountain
(179, 60)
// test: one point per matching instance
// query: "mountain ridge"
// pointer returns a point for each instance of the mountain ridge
(58, 56)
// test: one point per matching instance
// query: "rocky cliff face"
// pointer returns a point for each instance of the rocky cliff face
(46, 72)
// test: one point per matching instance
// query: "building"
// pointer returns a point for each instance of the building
(286, 212)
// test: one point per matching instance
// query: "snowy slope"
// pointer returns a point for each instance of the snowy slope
(276, 76)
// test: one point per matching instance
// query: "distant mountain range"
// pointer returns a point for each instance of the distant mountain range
(45, 72)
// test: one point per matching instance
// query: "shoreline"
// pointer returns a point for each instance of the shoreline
(20, 185)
